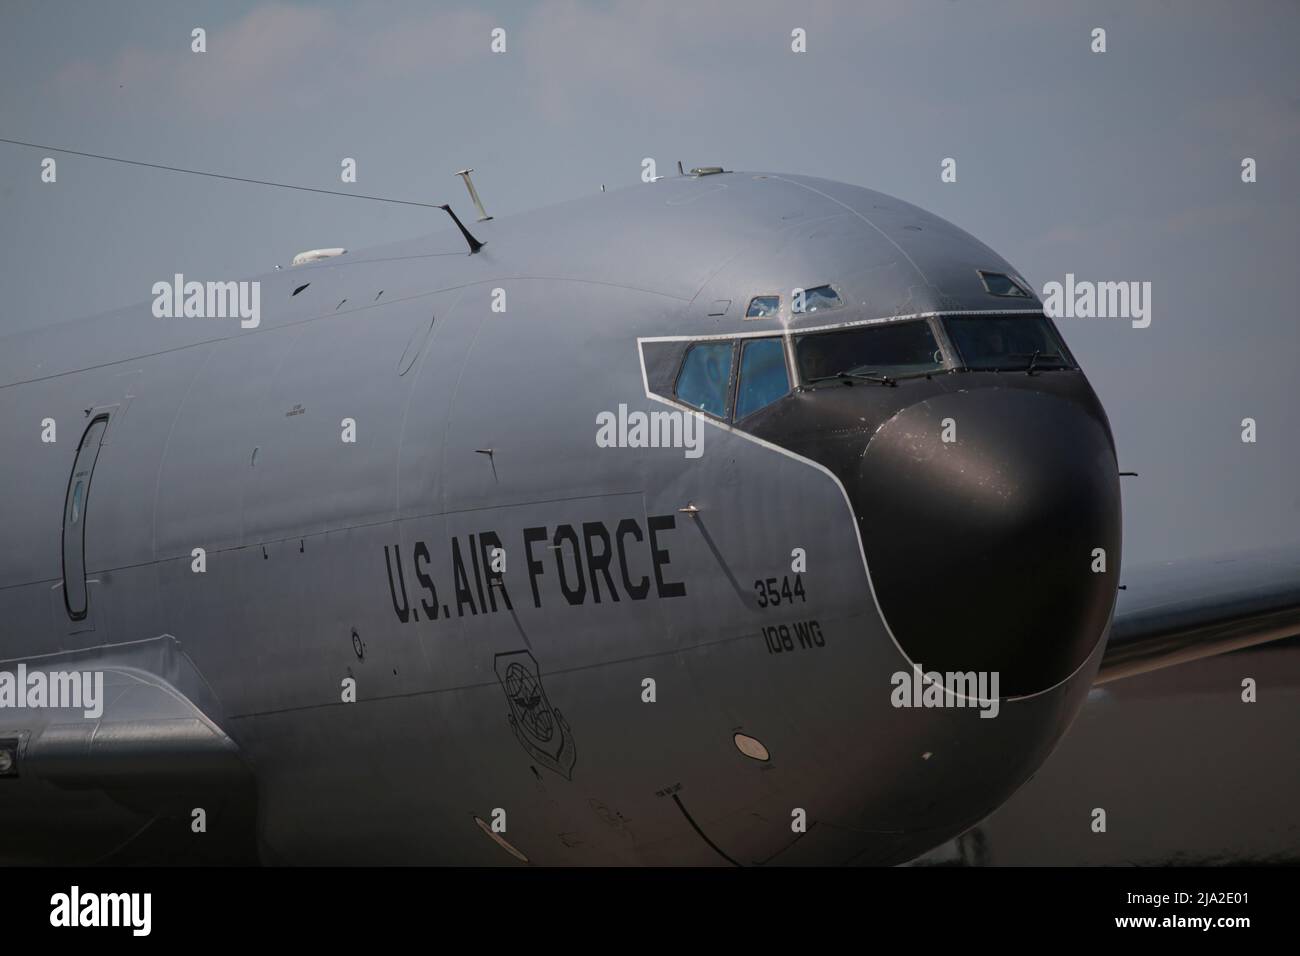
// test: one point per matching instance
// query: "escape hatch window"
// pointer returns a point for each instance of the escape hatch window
(763, 376)
(74, 519)
(705, 379)
(817, 299)
(763, 307)
(895, 349)
(999, 283)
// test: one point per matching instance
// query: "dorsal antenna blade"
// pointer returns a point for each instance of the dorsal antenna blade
(473, 194)
(474, 244)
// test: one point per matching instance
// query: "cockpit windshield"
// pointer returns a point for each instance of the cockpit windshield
(1006, 342)
(889, 349)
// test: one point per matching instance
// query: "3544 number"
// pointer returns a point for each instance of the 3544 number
(772, 595)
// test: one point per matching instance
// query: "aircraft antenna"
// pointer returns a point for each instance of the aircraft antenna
(210, 175)
(473, 194)
(474, 244)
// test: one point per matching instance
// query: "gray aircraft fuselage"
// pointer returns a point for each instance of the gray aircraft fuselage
(769, 588)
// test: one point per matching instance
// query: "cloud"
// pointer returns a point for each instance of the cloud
(1254, 120)
(570, 55)
(1140, 231)
(286, 56)
(660, 57)
(264, 50)
(431, 41)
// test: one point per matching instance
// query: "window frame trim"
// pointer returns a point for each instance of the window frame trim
(764, 295)
(786, 348)
(106, 418)
(960, 360)
(788, 331)
(1015, 280)
(733, 374)
(821, 285)
(932, 321)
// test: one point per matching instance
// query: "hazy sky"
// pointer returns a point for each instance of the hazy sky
(1124, 165)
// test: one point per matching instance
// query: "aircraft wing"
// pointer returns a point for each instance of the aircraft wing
(1181, 611)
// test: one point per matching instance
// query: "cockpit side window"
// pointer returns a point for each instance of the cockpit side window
(763, 307)
(705, 379)
(763, 376)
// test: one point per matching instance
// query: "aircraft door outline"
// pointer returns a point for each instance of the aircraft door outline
(75, 503)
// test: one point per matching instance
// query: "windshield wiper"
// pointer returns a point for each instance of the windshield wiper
(853, 373)
(1033, 360)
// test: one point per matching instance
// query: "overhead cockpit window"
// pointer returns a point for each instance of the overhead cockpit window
(818, 299)
(763, 306)
(763, 376)
(998, 283)
(1006, 342)
(889, 350)
(705, 378)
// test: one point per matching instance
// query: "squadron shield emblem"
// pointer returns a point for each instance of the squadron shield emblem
(539, 727)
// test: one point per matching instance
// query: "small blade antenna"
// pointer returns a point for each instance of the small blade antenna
(473, 194)
(474, 244)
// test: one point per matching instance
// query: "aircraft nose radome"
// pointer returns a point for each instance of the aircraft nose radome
(981, 548)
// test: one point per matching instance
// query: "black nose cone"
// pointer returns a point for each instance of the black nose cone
(982, 549)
